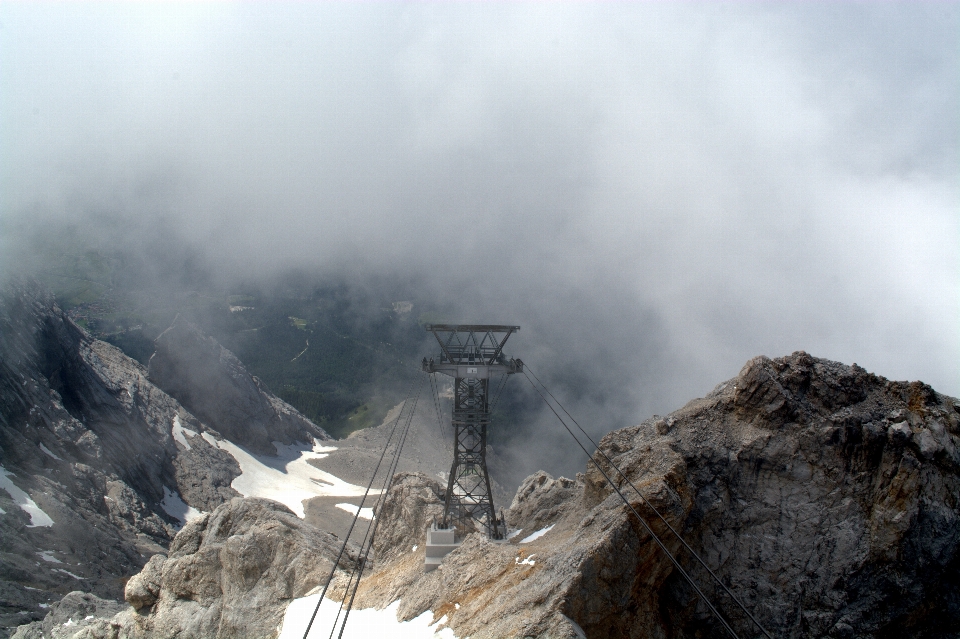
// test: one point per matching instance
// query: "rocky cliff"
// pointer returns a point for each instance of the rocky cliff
(100, 466)
(825, 497)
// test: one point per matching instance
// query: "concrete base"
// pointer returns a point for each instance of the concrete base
(440, 543)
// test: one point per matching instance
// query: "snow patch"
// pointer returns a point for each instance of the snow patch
(362, 624)
(68, 623)
(179, 431)
(67, 572)
(47, 555)
(288, 478)
(537, 535)
(514, 533)
(47, 451)
(22, 499)
(365, 513)
(174, 506)
(526, 562)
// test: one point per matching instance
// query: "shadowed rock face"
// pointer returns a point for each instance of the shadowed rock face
(213, 385)
(79, 613)
(88, 438)
(824, 496)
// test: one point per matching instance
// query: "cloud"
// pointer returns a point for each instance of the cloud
(654, 192)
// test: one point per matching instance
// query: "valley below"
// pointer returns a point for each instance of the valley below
(175, 495)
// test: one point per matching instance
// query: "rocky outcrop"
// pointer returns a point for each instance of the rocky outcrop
(414, 503)
(230, 573)
(214, 385)
(79, 615)
(824, 496)
(89, 440)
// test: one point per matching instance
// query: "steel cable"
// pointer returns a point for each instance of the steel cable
(357, 571)
(372, 530)
(641, 519)
(346, 539)
(435, 387)
(653, 508)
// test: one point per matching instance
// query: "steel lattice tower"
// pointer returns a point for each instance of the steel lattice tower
(471, 354)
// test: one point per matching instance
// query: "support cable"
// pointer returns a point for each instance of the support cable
(653, 508)
(372, 530)
(646, 526)
(496, 398)
(357, 571)
(435, 387)
(356, 517)
(358, 568)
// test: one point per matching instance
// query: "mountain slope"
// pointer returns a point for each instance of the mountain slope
(823, 495)
(100, 467)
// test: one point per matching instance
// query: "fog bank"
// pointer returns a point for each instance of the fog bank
(654, 192)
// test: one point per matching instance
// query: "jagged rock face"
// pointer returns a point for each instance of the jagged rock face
(230, 573)
(412, 505)
(212, 384)
(824, 496)
(541, 500)
(88, 438)
(79, 615)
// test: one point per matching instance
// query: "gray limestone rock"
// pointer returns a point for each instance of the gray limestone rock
(230, 573)
(413, 502)
(79, 615)
(823, 496)
(89, 439)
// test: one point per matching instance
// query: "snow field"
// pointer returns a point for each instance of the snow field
(365, 513)
(179, 431)
(287, 478)
(362, 624)
(47, 451)
(22, 499)
(174, 506)
(537, 535)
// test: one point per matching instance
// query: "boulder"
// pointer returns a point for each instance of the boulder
(230, 573)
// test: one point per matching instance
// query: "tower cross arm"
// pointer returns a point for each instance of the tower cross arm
(468, 341)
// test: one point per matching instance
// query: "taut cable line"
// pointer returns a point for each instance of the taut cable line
(642, 521)
(356, 517)
(372, 530)
(435, 387)
(652, 507)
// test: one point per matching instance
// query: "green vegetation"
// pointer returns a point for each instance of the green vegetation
(341, 355)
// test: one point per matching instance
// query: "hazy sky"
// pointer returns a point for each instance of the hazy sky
(655, 192)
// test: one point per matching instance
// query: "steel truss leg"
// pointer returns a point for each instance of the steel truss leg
(469, 499)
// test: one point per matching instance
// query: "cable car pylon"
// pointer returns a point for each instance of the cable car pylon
(472, 354)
